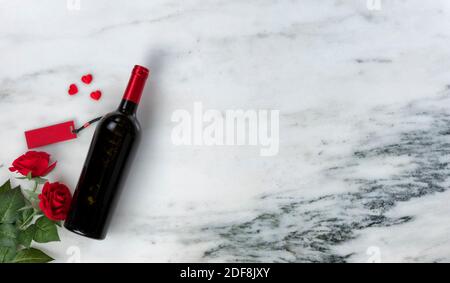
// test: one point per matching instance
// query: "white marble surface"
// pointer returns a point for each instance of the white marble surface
(362, 171)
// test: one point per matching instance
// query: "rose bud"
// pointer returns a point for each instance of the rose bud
(38, 163)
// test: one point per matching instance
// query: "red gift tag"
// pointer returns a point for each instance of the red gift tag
(51, 134)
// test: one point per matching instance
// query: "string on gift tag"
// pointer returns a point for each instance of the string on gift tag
(87, 124)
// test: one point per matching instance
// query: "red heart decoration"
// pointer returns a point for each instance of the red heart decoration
(87, 79)
(96, 95)
(73, 89)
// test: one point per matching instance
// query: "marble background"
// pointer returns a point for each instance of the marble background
(364, 95)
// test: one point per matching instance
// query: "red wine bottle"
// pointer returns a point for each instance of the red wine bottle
(104, 172)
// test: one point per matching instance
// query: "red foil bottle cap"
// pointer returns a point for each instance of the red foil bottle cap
(136, 84)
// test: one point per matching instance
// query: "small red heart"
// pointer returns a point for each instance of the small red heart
(96, 95)
(87, 79)
(73, 89)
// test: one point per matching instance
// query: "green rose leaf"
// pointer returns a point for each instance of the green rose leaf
(6, 186)
(31, 255)
(26, 236)
(10, 202)
(26, 215)
(8, 235)
(7, 254)
(46, 230)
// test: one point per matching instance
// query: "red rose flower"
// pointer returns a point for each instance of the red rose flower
(55, 201)
(38, 163)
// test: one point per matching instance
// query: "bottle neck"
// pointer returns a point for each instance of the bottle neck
(134, 90)
(128, 107)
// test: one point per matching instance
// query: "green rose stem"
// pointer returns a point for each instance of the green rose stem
(35, 185)
(27, 220)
